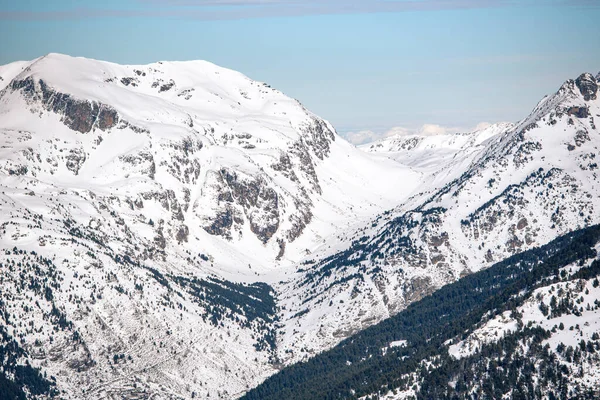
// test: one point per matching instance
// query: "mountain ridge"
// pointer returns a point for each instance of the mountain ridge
(523, 187)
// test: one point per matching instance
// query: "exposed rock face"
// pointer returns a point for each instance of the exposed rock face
(75, 160)
(259, 202)
(182, 234)
(579, 112)
(581, 137)
(182, 166)
(587, 86)
(300, 219)
(418, 288)
(79, 115)
(319, 137)
(300, 150)
(167, 86)
(173, 204)
(241, 198)
(107, 118)
(284, 166)
(129, 81)
(142, 162)
(522, 223)
(222, 223)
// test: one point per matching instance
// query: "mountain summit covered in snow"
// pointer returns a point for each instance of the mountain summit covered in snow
(179, 230)
(168, 200)
(224, 156)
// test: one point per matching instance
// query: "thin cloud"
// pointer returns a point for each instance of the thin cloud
(365, 136)
(244, 9)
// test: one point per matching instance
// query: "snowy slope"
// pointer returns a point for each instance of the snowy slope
(432, 153)
(9, 71)
(526, 327)
(159, 197)
(493, 194)
(199, 135)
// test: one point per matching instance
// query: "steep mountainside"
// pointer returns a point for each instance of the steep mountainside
(494, 194)
(224, 156)
(146, 212)
(524, 328)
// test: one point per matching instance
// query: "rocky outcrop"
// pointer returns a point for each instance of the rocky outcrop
(579, 112)
(168, 200)
(129, 81)
(184, 168)
(300, 219)
(300, 150)
(587, 86)
(259, 201)
(581, 137)
(284, 166)
(142, 162)
(167, 86)
(75, 160)
(222, 223)
(79, 115)
(418, 288)
(318, 137)
(182, 234)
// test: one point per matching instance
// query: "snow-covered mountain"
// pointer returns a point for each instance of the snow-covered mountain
(429, 154)
(527, 327)
(489, 195)
(220, 155)
(180, 230)
(159, 200)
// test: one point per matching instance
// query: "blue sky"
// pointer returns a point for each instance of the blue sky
(366, 65)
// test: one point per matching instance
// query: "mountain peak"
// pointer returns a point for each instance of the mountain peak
(232, 156)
